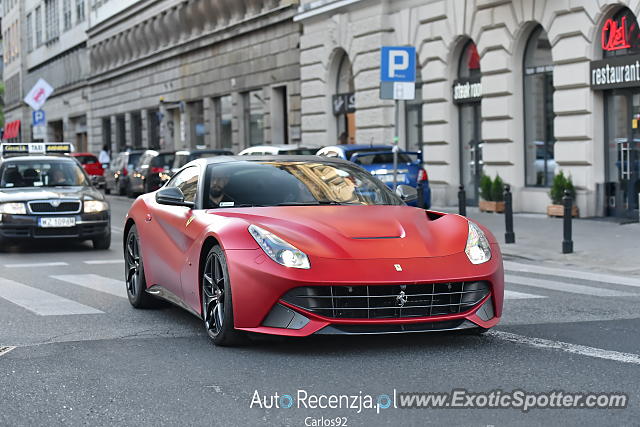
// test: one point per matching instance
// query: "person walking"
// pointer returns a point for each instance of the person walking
(103, 157)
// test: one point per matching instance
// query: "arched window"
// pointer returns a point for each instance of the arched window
(538, 110)
(467, 93)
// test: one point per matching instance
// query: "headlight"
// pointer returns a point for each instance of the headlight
(478, 249)
(93, 206)
(13, 208)
(279, 250)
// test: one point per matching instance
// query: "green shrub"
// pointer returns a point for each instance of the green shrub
(497, 190)
(485, 188)
(561, 183)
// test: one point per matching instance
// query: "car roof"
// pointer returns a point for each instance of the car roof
(280, 147)
(279, 158)
(354, 147)
(82, 154)
(204, 150)
(37, 158)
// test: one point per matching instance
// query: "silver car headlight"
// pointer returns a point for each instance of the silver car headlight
(95, 206)
(478, 249)
(278, 250)
(13, 208)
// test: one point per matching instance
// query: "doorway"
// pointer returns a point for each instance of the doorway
(471, 150)
(622, 153)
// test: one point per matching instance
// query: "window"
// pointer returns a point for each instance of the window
(136, 129)
(225, 115)
(66, 13)
(106, 132)
(538, 110)
(29, 32)
(254, 117)
(197, 128)
(80, 10)
(38, 26)
(121, 136)
(187, 182)
(153, 129)
(52, 22)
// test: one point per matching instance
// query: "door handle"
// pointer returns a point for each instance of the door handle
(148, 218)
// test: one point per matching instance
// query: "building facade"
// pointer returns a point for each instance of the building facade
(176, 74)
(519, 88)
(52, 46)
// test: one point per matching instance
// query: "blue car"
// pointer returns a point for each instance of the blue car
(378, 160)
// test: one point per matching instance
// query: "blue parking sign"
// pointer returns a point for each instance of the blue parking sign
(38, 118)
(398, 64)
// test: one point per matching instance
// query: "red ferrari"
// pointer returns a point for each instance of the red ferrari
(302, 245)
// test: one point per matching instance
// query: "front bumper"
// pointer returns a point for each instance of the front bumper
(259, 285)
(25, 227)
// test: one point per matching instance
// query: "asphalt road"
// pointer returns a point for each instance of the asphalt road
(92, 359)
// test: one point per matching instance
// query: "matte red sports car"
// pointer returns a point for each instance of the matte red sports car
(305, 245)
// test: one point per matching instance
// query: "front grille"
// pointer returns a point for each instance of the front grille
(46, 207)
(55, 232)
(388, 301)
(15, 231)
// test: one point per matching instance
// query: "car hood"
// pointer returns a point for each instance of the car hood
(360, 232)
(25, 194)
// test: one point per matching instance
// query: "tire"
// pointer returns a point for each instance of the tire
(217, 313)
(103, 242)
(134, 272)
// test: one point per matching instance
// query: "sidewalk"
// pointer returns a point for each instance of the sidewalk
(598, 244)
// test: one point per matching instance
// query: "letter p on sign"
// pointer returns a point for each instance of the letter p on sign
(398, 64)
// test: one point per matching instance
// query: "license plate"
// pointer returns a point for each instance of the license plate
(57, 222)
(389, 178)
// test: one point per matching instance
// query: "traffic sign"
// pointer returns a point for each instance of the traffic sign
(39, 132)
(398, 64)
(38, 94)
(38, 118)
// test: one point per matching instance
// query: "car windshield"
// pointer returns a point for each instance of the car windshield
(86, 160)
(133, 159)
(282, 183)
(375, 156)
(41, 173)
(163, 160)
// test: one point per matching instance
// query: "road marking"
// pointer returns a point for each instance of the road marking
(520, 295)
(571, 274)
(37, 264)
(96, 283)
(40, 302)
(4, 349)
(565, 287)
(568, 347)
(104, 261)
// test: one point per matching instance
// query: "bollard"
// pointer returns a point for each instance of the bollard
(567, 243)
(462, 201)
(509, 235)
(420, 189)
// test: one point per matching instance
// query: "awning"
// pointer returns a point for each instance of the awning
(11, 130)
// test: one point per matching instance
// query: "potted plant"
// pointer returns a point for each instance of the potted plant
(491, 194)
(556, 193)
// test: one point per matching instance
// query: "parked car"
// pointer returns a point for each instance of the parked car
(117, 176)
(185, 156)
(270, 150)
(93, 167)
(146, 175)
(378, 159)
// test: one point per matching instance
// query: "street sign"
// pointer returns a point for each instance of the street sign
(38, 118)
(38, 94)
(398, 73)
(39, 132)
(398, 64)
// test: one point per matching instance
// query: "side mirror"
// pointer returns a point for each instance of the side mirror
(407, 193)
(172, 196)
(94, 180)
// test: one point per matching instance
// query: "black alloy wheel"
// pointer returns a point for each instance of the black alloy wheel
(134, 272)
(217, 308)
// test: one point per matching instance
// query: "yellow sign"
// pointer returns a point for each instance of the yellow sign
(634, 123)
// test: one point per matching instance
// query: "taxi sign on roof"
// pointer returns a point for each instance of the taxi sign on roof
(37, 148)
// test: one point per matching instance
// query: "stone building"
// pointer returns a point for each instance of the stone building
(504, 87)
(174, 74)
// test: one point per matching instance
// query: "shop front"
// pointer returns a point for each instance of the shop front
(618, 76)
(467, 94)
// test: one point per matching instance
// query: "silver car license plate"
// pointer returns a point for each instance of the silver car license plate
(61, 222)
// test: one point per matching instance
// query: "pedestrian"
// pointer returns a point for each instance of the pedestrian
(103, 157)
